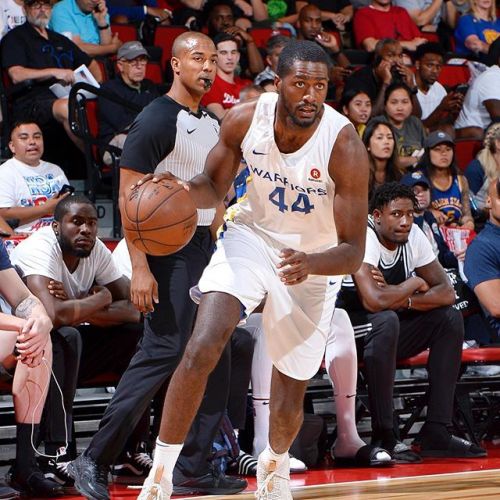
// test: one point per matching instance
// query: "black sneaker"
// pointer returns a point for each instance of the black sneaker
(244, 465)
(58, 472)
(91, 479)
(132, 468)
(213, 483)
(33, 483)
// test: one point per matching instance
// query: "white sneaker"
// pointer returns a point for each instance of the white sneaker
(296, 465)
(273, 483)
(156, 487)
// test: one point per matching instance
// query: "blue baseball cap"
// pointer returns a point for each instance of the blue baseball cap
(415, 178)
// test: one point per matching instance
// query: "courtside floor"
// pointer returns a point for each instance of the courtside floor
(431, 480)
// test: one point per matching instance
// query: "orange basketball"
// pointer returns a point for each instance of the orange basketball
(159, 217)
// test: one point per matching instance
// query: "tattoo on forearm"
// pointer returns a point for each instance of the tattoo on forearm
(25, 308)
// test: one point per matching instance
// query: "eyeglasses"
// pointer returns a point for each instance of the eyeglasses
(40, 6)
(139, 61)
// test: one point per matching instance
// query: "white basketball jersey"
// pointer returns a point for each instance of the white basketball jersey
(289, 198)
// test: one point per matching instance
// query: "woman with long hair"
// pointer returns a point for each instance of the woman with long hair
(357, 106)
(379, 140)
(484, 167)
(449, 188)
(477, 30)
(408, 129)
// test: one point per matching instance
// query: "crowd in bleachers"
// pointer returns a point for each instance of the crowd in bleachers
(420, 82)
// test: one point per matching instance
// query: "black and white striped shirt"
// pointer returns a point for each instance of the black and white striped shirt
(169, 136)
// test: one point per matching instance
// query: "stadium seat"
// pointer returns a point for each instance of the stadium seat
(126, 32)
(452, 75)
(430, 37)
(164, 38)
(465, 151)
(262, 35)
(154, 72)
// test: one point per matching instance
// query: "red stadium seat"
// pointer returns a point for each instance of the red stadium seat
(262, 35)
(126, 32)
(452, 75)
(164, 38)
(465, 151)
(154, 72)
(431, 37)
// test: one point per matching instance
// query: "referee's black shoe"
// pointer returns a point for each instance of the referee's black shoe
(91, 479)
(214, 482)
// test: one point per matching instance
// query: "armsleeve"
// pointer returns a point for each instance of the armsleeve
(363, 27)
(372, 250)
(480, 264)
(465, 28)
(4, 258)
(474, 174)
(13, 50)
(422, 249)
(7, 193)
(150, 139)
(107, 271)
(489, 87)
(62, 22)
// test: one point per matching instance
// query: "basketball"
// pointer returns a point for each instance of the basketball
(159, 217)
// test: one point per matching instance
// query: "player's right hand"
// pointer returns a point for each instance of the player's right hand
(143, 290)
(158, 177)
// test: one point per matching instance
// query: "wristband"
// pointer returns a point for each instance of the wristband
(102, 28)
(409, 302)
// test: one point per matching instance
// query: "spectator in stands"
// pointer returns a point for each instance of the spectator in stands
(410, 132)
(476, 31)
(481, 104)
(357, 106)
(132, 86)
(432, 16)
(274, 47)
(387, 67)
(28, 332)
(31, 187)
(250, 92)
(124, 12)
(449, 187)
(379, 140)
(96, 328)
(86, 23)
(482, 260)
(484, 167)
(11, 15)
(400, 304)
(310, 28)
(38, 57)
(425, 220)
(439, 108)
(220, 19)
(382, 20)
(335, 14)
(225, 91)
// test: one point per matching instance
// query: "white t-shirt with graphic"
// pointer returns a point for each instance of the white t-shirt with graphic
(41, 254)
(25, 186)
(11, 16)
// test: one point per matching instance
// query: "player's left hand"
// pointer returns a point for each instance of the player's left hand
(294, 267)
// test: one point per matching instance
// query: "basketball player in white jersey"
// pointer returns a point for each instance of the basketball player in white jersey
(299, 230)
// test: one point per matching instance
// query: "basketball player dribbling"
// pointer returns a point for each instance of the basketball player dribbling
(301, 227)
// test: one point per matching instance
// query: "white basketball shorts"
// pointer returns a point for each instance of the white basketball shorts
(296, 318)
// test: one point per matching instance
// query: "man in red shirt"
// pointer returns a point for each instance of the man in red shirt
(225, 91)
(382, 20)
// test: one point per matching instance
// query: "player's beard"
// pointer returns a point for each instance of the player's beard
(67, 247)
(297, 121)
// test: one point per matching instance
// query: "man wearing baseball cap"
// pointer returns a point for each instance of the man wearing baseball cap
(130, 84)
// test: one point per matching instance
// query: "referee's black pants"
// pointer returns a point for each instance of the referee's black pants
(166, 334)
(384, 337)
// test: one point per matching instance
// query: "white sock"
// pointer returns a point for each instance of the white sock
(281, 460)
(261, 425)
(166, 455)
